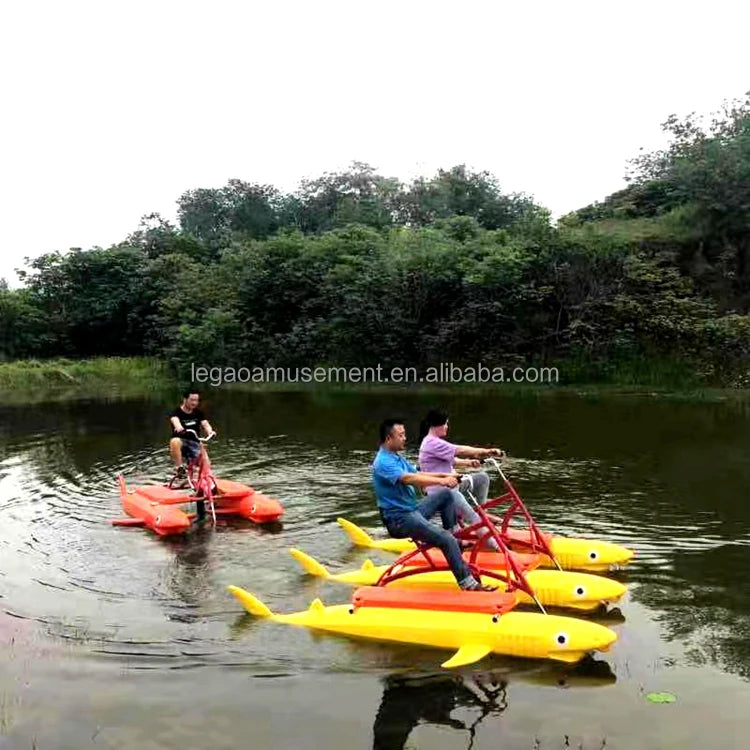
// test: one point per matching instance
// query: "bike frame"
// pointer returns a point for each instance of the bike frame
(511, 575)
(203, 482)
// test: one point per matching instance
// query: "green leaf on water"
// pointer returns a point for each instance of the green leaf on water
(661, 697)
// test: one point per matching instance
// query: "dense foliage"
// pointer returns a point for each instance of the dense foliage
(356, 268)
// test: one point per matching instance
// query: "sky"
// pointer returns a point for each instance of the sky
(111, 110)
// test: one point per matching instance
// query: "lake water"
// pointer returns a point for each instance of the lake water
(113, 638)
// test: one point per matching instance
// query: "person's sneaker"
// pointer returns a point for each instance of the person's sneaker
(479, 586)
(181, 472)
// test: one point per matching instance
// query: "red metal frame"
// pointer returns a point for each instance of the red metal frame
(512, 575)
(203, 484)
(537, 541)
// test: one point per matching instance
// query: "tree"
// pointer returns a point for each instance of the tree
(707, 167)
(212, 215)
(461, 192)
(24, 328)
(156, 236)
(356, 196)
(204, 214)
(89, 299)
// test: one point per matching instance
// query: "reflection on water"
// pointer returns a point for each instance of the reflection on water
(437, 698)
(407, 701)
(668, 478)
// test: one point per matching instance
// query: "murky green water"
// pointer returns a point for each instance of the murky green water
(110, 637)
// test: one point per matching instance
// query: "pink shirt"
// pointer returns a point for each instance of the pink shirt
(436, 454)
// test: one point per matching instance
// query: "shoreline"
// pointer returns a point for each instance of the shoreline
(61, 379)
(38, 381)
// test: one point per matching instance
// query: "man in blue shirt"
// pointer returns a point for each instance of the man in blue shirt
(395, 479)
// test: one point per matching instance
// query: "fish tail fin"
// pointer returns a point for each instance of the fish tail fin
(310, 564)
(252, 604)
(357, 534)
(123, 486)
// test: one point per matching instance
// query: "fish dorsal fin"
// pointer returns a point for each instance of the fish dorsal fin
(368, 564)
(316, 605)
(467, 654)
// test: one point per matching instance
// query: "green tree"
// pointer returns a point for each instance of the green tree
(356, 196)
(90, 299)
(156, 236)
(212, 215)
(461, 192)
(24, 329)
(707, 167)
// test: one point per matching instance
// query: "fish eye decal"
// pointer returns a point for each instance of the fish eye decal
(561, 639)
(580, 591)
(593, 555)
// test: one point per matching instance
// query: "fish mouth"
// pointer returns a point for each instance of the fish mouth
(569, 657)
(606, 640)
(602, 643)
(593, 604)
(623, 560)
(616, 593)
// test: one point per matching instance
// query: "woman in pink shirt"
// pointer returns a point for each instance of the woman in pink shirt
(436, 454)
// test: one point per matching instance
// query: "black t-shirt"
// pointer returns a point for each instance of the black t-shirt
(190, 421)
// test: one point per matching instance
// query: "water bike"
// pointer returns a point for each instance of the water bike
(566, 553)
(425, 567)
(403, 606)
(584, 592)
(484, 625)
(156, 506)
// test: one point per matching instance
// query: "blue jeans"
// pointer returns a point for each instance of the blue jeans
(416, 525)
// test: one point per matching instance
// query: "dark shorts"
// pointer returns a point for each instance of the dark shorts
(191, 449)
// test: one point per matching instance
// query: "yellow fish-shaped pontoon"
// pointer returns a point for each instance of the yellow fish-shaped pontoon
(471, 635)
(553, 588)
(573, 553)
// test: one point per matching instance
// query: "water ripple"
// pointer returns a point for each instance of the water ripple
(150, 603)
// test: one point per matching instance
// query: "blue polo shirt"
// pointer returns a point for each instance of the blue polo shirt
(393, 495)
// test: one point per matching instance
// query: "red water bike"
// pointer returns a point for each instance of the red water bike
(157, 506)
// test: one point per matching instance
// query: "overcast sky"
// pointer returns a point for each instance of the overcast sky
(110, 110)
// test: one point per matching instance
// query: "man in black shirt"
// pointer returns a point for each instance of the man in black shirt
(184, 444)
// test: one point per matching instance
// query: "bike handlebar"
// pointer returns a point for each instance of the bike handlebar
(496, 466)
(201, 439)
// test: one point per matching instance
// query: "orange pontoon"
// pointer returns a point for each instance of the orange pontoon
(155, 506)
